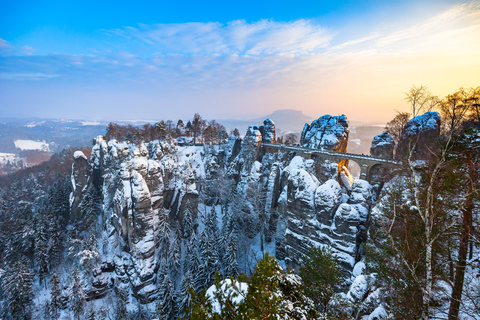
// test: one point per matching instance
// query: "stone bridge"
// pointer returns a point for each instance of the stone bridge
(366, 163)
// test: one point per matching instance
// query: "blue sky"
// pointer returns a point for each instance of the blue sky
(168, 59)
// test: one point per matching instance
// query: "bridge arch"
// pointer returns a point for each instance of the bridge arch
(356, 169)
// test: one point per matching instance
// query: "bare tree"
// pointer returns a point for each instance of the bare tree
(421, 100)
(395, 127)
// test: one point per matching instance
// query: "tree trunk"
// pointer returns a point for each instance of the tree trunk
(428, 278)
(463, 248)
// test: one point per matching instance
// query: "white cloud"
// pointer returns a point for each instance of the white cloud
(268, 64)
(236, 37)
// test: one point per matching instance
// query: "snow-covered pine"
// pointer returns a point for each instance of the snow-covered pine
(163, 233)
(41, 256)
(167, 300)
(55, 297)
(77, 297)
(188, 224)
(184, 295)
(174, 254)
(18, 295)
(89, 255)
(230, 259)
(121, 311)
(55, 240)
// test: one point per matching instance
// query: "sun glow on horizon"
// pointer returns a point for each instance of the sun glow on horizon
(172, 70)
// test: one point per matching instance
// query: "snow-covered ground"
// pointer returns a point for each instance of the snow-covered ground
(5, 157)
(91, 123)
(31, 145)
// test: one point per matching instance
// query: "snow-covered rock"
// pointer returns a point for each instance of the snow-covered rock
(420, 134)
(80, 177)
(328, 197)
(326, 133)
(382, 146)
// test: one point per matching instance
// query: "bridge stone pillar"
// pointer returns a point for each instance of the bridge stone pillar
(364, 171)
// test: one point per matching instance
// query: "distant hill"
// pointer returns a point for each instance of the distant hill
(285, 121)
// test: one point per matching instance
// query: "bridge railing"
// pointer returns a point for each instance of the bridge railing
(331, 153)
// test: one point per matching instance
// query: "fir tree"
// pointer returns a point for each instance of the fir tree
(188, 225)
(167, 300)
(77, 299)
(55, 241)
(88, 256)
(231, 264)
(55, 297)
(184, 297)
(174, 254)
(41, 256)
(17, 285)
(321, 276)
(163, 233)
(121, 312)
(91, 206)
(141, 314)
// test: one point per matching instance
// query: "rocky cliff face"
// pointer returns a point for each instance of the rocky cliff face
(139, 183)
(279, 203)
(421, 131)
(326, 133)
(321, 214)
(382, 146)
(80, 176)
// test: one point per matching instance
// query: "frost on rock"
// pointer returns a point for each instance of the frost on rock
(378, 314)
(420, 133)
(358, 289)
(310, 209)
(361, 198)
(328, 197)
(358, 269)
(79, 154)
(326, 133)
(382, 146)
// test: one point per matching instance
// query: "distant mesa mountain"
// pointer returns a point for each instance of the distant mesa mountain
(287, 120)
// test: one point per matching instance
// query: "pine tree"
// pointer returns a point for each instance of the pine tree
(174, 254)
(163, 233)
(88, 256)
(188, 226)
(17, 285)
(77, 299)
(91, 206)
(192, 262)
(141, 314)
(167, 300)
(55, 296)
(41, 256)
(55, 241)
(121, 312)
(184, 297)
(321, 276)
(231, 264)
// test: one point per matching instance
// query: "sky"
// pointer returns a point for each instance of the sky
(151, 60)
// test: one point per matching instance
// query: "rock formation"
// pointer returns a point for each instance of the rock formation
(80, 175)
(420, 136)
(326, 133)
(382, 146)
